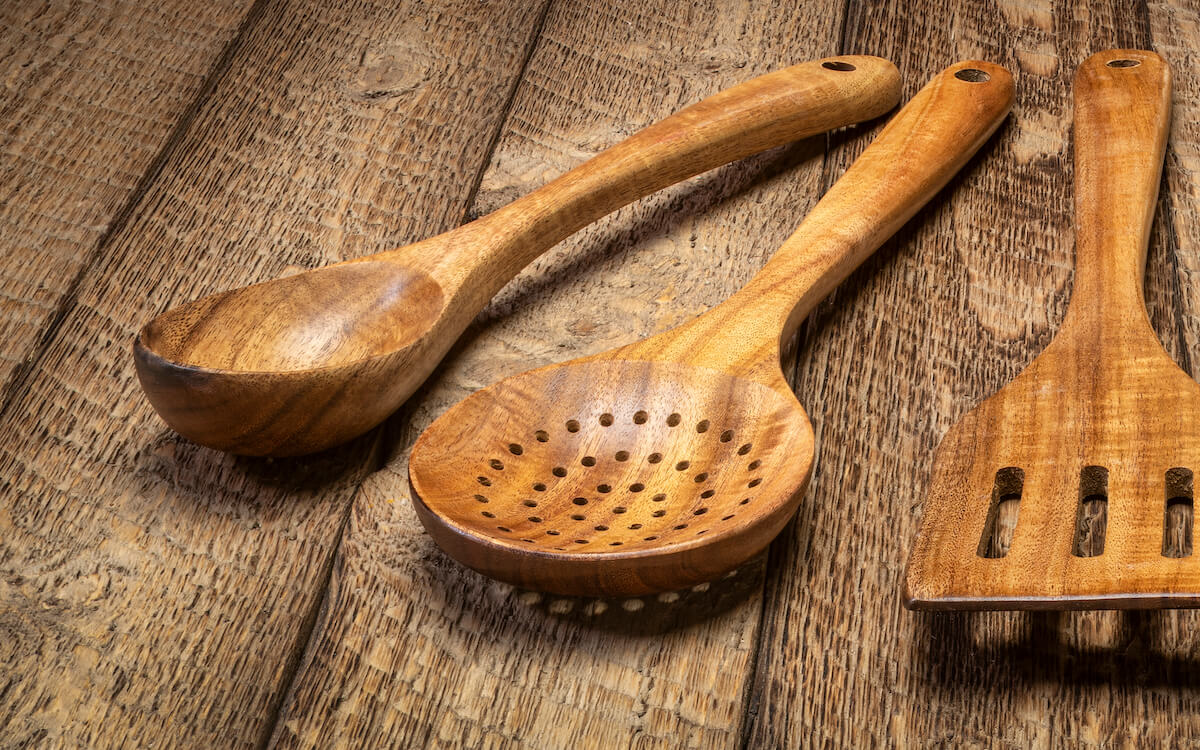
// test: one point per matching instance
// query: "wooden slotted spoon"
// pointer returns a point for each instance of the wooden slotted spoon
(305, 362)
(1096, 441)
(670, 461)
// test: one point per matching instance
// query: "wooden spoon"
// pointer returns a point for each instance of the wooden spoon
(1094, 444)
(302, 363)
(670, 461)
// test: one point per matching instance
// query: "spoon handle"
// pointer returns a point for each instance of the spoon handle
(759, 114)
(911, 159)
(1122, 114)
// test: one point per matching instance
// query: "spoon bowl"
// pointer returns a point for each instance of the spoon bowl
(262, 369)
(629, 463)
(672, 460)
(305, 362)
(300, 322)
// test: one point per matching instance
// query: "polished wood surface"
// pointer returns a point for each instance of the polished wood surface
(158, 594)
(1095, 443)
(307, 362)
(668, 462)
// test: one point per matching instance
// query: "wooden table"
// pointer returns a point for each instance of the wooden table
(155, 594)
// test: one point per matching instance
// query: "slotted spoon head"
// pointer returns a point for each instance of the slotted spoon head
(1092, 448)
(670, 461)
(613, 476)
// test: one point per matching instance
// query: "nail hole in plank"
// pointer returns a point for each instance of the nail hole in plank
(1091, 520)
(1002, 516)
(1179, 514)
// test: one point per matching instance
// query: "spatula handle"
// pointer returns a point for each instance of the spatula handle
(1122, 114)
(759, 114)
(913, 157)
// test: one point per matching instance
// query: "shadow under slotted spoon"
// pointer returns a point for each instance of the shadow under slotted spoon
(641, 616)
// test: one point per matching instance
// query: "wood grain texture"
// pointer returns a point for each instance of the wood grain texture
(154, 593)
(907, 347)
(303, 363)
(90, 93)
(1100, 425)
(415, 650)
(106, 521)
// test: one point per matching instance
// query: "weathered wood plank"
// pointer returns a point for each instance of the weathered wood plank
(153, 593)
(414, 650)
(941, 319)
(91, 93)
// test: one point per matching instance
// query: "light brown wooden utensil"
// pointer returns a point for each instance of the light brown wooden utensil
(1093, 446)
(672, 460)
(302, 363)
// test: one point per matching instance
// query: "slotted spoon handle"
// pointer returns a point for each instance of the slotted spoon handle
(762, 113)
(911, 159)
(1122, 114)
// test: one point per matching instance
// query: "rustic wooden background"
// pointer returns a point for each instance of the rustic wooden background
(155, 594)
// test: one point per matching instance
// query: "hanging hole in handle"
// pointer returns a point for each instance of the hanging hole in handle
(844, 67)
(972, 75)
(1123, 63)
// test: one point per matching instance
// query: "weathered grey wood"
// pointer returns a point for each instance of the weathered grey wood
(414, 650)
(91, 92)
(154, 594)
(964, 301)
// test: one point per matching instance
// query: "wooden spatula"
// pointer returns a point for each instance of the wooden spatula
(1092, 448)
